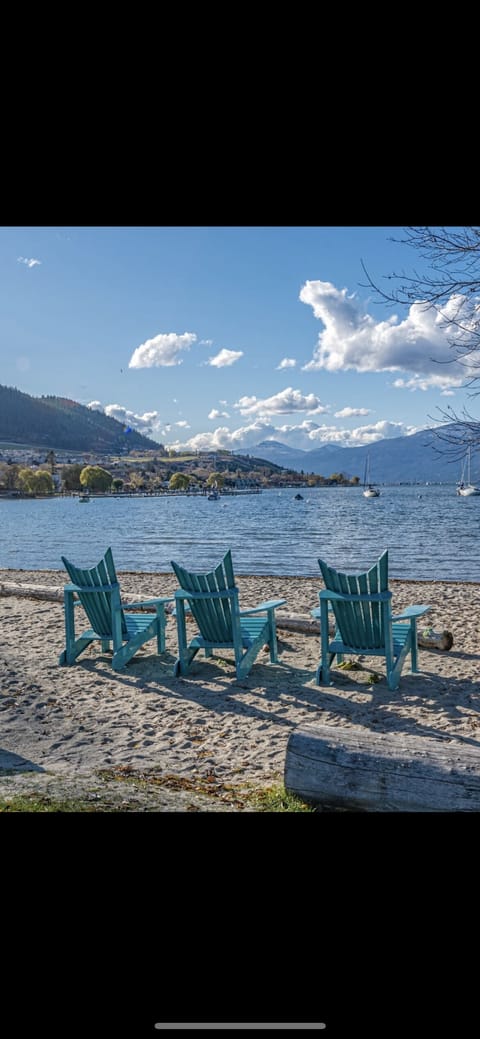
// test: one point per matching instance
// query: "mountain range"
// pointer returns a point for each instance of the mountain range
(420, 458)
(59, 423)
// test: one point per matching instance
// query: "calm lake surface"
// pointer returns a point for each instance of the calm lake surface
(431, 533)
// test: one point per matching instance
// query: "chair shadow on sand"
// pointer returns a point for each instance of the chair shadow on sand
(15, 763)
(285, 684)
(441, 711)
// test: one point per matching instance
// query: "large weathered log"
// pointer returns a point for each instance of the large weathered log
(31, 591)
(382, 772)
(291, 621)
(297, 622)
(55, 594)
(301, 622)
(40, 591)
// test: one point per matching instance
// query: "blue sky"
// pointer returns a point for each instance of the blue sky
(223, 336)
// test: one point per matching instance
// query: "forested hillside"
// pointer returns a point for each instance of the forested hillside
(57, 422)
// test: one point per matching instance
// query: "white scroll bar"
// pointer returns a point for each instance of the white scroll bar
(236, 1024)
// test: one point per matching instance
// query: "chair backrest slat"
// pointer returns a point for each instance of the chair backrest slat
(361, 624)
(97, 607)
(214, 616)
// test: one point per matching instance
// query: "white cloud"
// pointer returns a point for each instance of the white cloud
(382, 430)
(147, 423)
(229, 440)
(305, 436)
(206, 342)
(29, 262)
(183, 424)
(224, 402)
(350, 412)
(162, 351)
(218, 414)
(419, 382)
(352, 339)
(284, 403)
(309, 435)
(225, 358)
(288, 362)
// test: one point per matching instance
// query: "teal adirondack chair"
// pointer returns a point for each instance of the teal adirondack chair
(361, 605)
(98, 592)
(213, 601)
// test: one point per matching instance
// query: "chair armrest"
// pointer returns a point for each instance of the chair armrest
(344, 597)
(147, 602)
(226, 593)
(411, 612)
(271, 604)
(92, 588)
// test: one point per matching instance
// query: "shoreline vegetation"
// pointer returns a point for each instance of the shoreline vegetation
(29, 473)
(142, 740)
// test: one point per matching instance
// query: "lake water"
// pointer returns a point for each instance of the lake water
(431, 533)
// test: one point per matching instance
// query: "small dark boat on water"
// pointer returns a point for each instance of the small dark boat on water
(298, 497)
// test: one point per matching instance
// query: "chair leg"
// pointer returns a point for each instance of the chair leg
(272, 637)
(394, 673)
(414, 655)
(72, 651)
(105, 645)
(183, 662)
(244, 665)
(161, 622)
(322, 675)
(393, 679)
(123, 655)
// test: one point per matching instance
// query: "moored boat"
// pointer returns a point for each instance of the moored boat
(369, 490)
(468, 489)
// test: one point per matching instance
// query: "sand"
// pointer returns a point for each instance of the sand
(74, 722)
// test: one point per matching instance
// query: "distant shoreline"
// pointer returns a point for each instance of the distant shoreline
(32, 577)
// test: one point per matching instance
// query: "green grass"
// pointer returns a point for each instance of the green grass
(269, 799)
(39, 803)
(277, 799)
(273, 798)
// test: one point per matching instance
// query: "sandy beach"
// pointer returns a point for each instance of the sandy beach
(74, 722)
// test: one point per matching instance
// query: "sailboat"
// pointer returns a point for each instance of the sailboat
(214, 495)
(466, 490)
(369, 491)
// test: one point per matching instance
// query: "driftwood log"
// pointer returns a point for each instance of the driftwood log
(382, 772)
(291, 621)
(31, 591)
(297, 622)
(301, 622)
(42, 591)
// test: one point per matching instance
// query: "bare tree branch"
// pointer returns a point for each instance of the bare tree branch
(453, 258)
